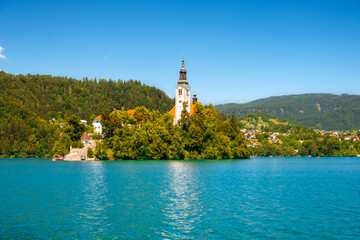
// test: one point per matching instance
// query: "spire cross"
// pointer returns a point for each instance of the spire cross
(182, 64)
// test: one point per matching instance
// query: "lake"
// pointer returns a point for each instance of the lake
(268, 198)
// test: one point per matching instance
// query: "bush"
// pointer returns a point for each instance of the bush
(90, 153)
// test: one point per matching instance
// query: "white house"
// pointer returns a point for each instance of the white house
(83, 122)
(97, 125)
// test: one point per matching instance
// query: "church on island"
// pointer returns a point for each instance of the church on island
(182, 94)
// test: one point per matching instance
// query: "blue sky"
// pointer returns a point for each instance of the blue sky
(234, 50)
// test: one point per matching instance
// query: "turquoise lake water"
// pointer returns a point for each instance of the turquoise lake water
(260, 198)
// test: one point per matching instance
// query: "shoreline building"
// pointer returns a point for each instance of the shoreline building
(183, 94)
(97, 125)
(85, 138)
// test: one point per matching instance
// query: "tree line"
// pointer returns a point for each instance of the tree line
(59, 97)
(311, 144)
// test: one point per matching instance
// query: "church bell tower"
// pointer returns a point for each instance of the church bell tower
(182, 93)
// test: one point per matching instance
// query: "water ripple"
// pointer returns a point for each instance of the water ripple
(277, 198)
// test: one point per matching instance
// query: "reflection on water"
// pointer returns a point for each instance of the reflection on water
(95, 189)
(184, 208)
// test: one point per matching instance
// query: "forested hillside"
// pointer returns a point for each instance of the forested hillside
(22, 132)
(57, 97)
(322, 111)
(27, 103)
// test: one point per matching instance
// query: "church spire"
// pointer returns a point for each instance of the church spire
(182, 79)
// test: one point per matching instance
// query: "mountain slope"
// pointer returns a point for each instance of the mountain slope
(325, 111)
(50, 97)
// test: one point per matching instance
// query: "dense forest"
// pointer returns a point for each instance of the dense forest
(27, 103)
(58, 97)
(320, 111)
(22, 132)
(151, 135)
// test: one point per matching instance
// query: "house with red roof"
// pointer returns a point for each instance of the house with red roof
(97, 125)
(85, 138)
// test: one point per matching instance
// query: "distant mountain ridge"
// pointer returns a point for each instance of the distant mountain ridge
(318, 110)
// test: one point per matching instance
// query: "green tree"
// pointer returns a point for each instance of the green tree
(90, 153)
(62, 146)
(73, 128)
(184, 121)
(32, 142)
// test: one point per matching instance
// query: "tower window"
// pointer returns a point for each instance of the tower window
(180, 91)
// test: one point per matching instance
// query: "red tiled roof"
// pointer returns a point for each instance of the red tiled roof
(131, 112)
(172, 112)
(98, 117)
(192, 109)
(85, 136)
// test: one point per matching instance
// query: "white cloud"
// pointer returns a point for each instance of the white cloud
(2, 56)
(108, 55)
